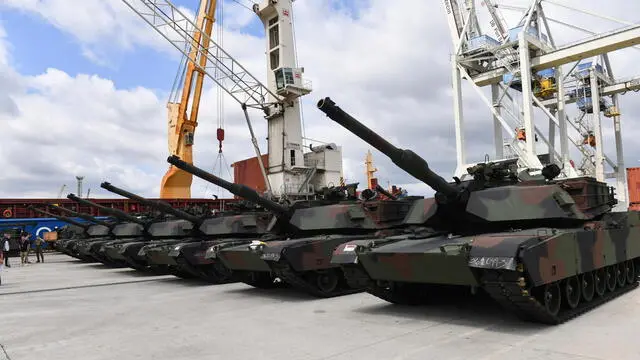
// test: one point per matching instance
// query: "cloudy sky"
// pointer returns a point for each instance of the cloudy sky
(84, 85)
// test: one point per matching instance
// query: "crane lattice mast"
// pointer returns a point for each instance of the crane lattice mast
(290, 172)
(526, 71)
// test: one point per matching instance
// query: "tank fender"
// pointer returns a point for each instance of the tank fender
(572, 253)
(498, 251)
(347, 253)
(272, 250)
(310, 253)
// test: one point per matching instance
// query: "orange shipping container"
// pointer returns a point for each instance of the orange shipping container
(248, 172)
(633, 183)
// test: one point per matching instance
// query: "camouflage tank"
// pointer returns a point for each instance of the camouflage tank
(82, 233)
(186, 255)
(159, 227)
(303, 236)
(128, 228)
(228, 227)
(546, 250)
(117, 230)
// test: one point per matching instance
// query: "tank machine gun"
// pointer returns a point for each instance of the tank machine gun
(545, 249)
(186, 255)
(303, 235)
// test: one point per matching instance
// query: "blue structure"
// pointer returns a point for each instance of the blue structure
(37, 226)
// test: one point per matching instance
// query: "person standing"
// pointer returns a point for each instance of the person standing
(5, 248)
(24, 248)
(39, 254)
(1, 265)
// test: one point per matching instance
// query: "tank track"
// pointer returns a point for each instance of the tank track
(400, 294)
(314, 282)
(512, 293)
(213, 274)
(258, 279)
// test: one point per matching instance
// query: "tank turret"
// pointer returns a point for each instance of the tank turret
(156, 204)
(497, 194)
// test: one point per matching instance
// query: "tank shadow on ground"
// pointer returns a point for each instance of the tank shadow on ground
(191, 282)
(477, 311)
(280, 293)
(104, 266)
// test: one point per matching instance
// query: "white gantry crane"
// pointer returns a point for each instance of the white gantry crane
(532, 79)
(290, 173)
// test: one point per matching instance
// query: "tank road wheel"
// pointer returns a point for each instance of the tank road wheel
(599, 279)
(630, 271)
(588, 286)
(552, 298)
(572, 292)
(327, 281)
(621, 275)
(611, 277)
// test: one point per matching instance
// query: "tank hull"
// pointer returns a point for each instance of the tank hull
(245, 263)
(190, 257)
(545, 275)
(306, 264)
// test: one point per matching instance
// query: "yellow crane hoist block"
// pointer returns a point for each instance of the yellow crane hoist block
(612, 111)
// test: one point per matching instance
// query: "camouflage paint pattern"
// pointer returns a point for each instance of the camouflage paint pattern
(347, 253)
(251, 223)
(98, 230)
(242, 257)
(159, 254)
(170, 228)
(194, 252)
(314, 253)
(371, 215)
(437, 259)
(519, 202)
(127, 229)
(550, 255)
(306, 254)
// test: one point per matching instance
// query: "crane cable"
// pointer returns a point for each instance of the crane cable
(220, 161)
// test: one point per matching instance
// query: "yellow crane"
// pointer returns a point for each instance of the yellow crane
(370, 170)
(176, 183)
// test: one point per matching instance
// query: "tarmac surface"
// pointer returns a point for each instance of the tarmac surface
(66, 309)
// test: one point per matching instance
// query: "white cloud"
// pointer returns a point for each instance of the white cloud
(387, 65)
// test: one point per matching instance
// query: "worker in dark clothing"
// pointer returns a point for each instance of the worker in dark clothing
(24, 248)
(1, 265)
(5, 248)
(39, 243)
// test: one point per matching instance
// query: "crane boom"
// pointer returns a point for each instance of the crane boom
(498, 24)
(176, 183)
(220, 66)
(291, 171)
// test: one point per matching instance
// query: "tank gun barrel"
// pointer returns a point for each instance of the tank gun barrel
(81, 215)
(115, 212)
(59, 217)
(407, 160)
(236, 189)
(156, 204)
